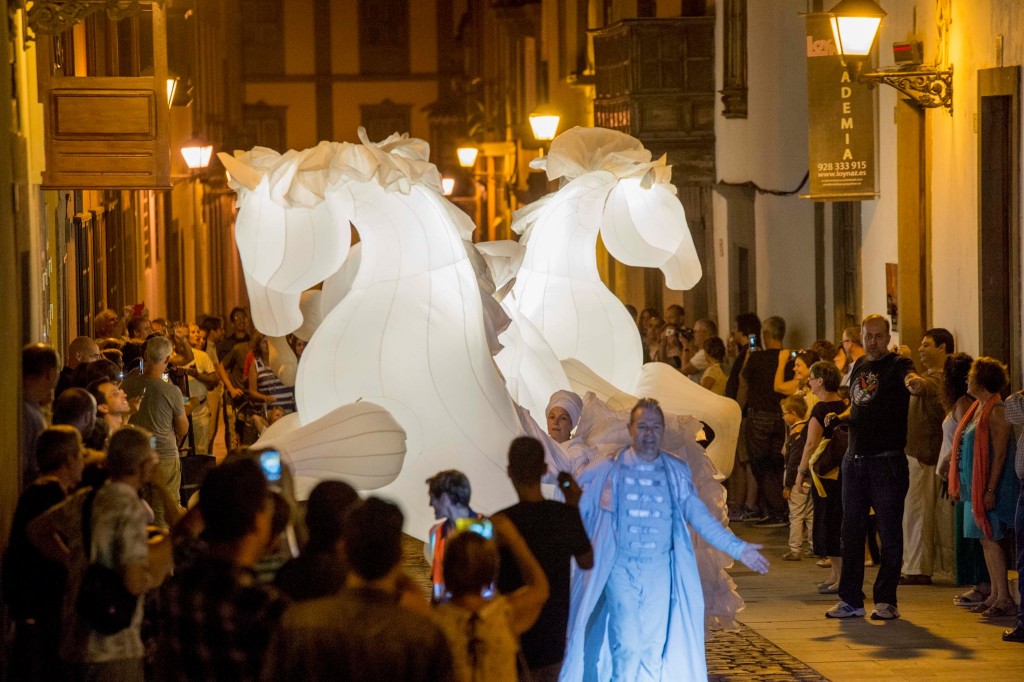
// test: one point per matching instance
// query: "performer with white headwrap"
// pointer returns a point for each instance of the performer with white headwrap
(563, 414)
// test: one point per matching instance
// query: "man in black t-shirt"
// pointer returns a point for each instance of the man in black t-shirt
(763, 428)
(554, 533)
(874, 472)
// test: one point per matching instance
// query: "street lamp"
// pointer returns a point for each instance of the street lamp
(855, 25)
(467, 155)
(544, 123)
(448, 186)
(172, 85)
(197, 154)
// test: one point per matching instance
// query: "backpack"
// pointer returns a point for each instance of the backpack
(103, 602)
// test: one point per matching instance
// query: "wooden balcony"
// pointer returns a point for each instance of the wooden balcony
(655, 80)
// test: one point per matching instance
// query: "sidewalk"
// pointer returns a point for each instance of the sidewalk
(932, 640)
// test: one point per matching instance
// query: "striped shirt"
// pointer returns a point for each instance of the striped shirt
(267, 383)
(1014, 410)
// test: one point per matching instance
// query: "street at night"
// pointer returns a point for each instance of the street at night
(511, 340)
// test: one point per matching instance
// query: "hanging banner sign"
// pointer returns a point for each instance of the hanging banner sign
(841, 121)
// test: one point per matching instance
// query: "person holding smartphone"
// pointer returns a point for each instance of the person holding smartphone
(482, 627)
(449, 493)
(554, 533)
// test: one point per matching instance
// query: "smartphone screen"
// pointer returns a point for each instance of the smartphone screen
(753, 341)
(270, 462)
(166, 377)
(793, 355)
(481, 527)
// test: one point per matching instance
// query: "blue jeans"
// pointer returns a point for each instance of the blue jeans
(1018, 522)
(879, 482)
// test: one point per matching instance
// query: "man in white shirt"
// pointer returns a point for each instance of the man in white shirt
(202, 378)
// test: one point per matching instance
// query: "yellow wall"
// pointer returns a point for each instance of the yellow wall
(300, 60)
(348, 97)
(345, 37)
(423, 36)
(299, 55)
(300, 98)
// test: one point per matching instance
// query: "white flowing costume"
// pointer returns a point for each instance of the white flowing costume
(588, 656)
(603, 432)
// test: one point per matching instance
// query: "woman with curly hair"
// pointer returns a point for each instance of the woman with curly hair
(981, 474)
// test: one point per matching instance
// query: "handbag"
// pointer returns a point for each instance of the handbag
(103, 602)
(830, 454)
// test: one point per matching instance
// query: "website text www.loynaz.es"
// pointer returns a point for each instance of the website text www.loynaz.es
(844, 174)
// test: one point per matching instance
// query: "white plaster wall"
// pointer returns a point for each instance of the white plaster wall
(769, 147)
(953, 150)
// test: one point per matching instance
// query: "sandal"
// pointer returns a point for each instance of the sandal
(1001, 609)
(981, 608)
(971, 597)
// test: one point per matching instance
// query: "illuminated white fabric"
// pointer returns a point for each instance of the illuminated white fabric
(360, 443)
(611, 185)
(678, 395)
(403, 326)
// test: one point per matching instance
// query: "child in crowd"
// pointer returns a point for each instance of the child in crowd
(714, 378)
(794, 413)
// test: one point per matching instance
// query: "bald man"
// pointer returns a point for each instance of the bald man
(82, 349)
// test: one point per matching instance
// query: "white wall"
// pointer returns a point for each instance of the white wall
(769, 148)
(953, 150)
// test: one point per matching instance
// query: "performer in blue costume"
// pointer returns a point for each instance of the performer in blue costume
(639, 614)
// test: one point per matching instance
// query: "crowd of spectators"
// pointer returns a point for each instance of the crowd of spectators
(240, 582)
(929, 453)
(201, 606)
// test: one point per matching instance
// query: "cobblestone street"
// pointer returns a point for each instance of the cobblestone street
(746, 655)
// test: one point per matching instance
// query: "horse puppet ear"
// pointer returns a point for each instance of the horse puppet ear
(646, 227)
(241, 172)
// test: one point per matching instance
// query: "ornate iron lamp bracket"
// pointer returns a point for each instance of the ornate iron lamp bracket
(53, 17)
(928, 87)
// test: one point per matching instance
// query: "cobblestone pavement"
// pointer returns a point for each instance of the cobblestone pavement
(743, 656)
(747, 656)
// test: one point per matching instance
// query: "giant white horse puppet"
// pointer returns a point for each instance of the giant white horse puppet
(407, 332)
(611, 185)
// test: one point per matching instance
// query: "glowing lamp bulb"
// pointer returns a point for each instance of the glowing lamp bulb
(467, 156)
(855, 24)
(544, 126)
(197, 154)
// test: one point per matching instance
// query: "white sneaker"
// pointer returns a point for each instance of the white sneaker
(885, 612)
(844, 610)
